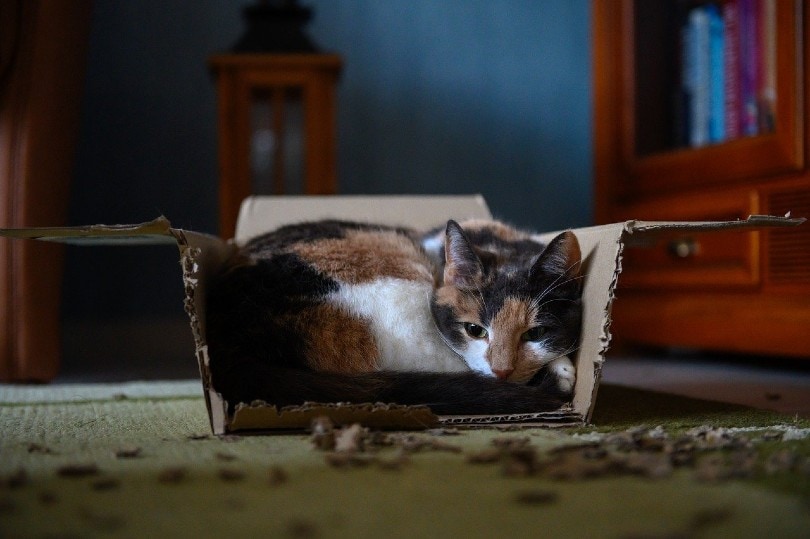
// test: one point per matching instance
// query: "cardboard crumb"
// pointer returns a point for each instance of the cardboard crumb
(302, 529)
(107, 483)
(78, 470)
(443, 431)
(771, 435)
(128, 452)
(783, 460)
(413, 443)
(17, 479)
(225, 457)
(34, 447)
(511, 442)
(485, 456)
(323, 433)
(277, 476)
(711, 469)
(175, 474)
(396, 462)
(230, 475)
(348, 459)
(536, 497)
(350, 439)
(198, 437)
(650, 465)
(520, 462)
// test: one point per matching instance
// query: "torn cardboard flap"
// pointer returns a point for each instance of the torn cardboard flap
(202, 255)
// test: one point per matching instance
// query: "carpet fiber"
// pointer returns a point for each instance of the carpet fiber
(137, 460)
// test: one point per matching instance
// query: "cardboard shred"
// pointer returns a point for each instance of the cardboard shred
(564, 417)
(259, 415)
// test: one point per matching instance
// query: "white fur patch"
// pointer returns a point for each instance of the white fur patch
(563, 369)
(398, 311)
(475, 356)
(434, 244)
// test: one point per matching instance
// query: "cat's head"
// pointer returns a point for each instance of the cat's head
(508, 304)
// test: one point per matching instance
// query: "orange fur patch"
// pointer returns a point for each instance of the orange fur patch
(336, 341)
(464, 305)
(366, 256)
(505, 349)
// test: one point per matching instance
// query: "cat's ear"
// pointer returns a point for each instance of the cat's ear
(462, 267)
(562, 257)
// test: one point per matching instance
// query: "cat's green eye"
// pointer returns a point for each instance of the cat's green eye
(475, 331)
(534, 334)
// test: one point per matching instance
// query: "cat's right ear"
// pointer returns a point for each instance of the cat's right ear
(462, 267)
(562, 256)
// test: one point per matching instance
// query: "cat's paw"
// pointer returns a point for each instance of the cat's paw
(563, 370)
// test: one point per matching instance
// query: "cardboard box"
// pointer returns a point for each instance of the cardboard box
(201, 255)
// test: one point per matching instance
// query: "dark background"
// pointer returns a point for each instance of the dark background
(459, 96)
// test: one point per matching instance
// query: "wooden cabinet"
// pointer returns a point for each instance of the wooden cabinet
(732, 291)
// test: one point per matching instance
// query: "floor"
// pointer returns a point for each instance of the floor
(162, 350)
(759, 382)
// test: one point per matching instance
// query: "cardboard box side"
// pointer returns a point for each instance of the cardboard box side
(601, 253)
(201, 257)
(156, 231)
(260, 214)
(644, 232)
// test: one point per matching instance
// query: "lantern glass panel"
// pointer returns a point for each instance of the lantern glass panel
(277, 141)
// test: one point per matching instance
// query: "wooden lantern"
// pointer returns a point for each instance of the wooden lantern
(276, 110)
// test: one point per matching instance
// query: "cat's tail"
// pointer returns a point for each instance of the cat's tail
(444, 393)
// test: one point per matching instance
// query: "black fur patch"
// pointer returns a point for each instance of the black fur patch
(446, 318)
(287, 236)
(245, 304)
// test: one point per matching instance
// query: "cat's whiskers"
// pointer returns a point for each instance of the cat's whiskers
(539, 306)
(554, 285)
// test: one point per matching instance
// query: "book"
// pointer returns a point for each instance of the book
(696, 75)
(767, 91)
(731, 59)
(717, 74)
(749, 66)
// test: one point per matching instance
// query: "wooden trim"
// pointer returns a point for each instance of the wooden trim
(39, 117)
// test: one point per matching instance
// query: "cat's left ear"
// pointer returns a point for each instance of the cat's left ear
(462, 267)
(562, 257)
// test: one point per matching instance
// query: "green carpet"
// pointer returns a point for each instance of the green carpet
(137, 461)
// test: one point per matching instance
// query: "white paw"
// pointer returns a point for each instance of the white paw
(565, 373)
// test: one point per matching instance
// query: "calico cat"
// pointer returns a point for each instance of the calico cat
(468, 319)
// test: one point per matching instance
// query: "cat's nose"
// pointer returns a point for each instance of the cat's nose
(503, 374)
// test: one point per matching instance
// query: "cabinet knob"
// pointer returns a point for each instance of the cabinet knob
(683, 248)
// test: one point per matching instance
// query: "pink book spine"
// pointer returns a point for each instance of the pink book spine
(731, 58)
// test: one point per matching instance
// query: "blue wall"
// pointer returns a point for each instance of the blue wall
(467, 96)
(456, 96)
